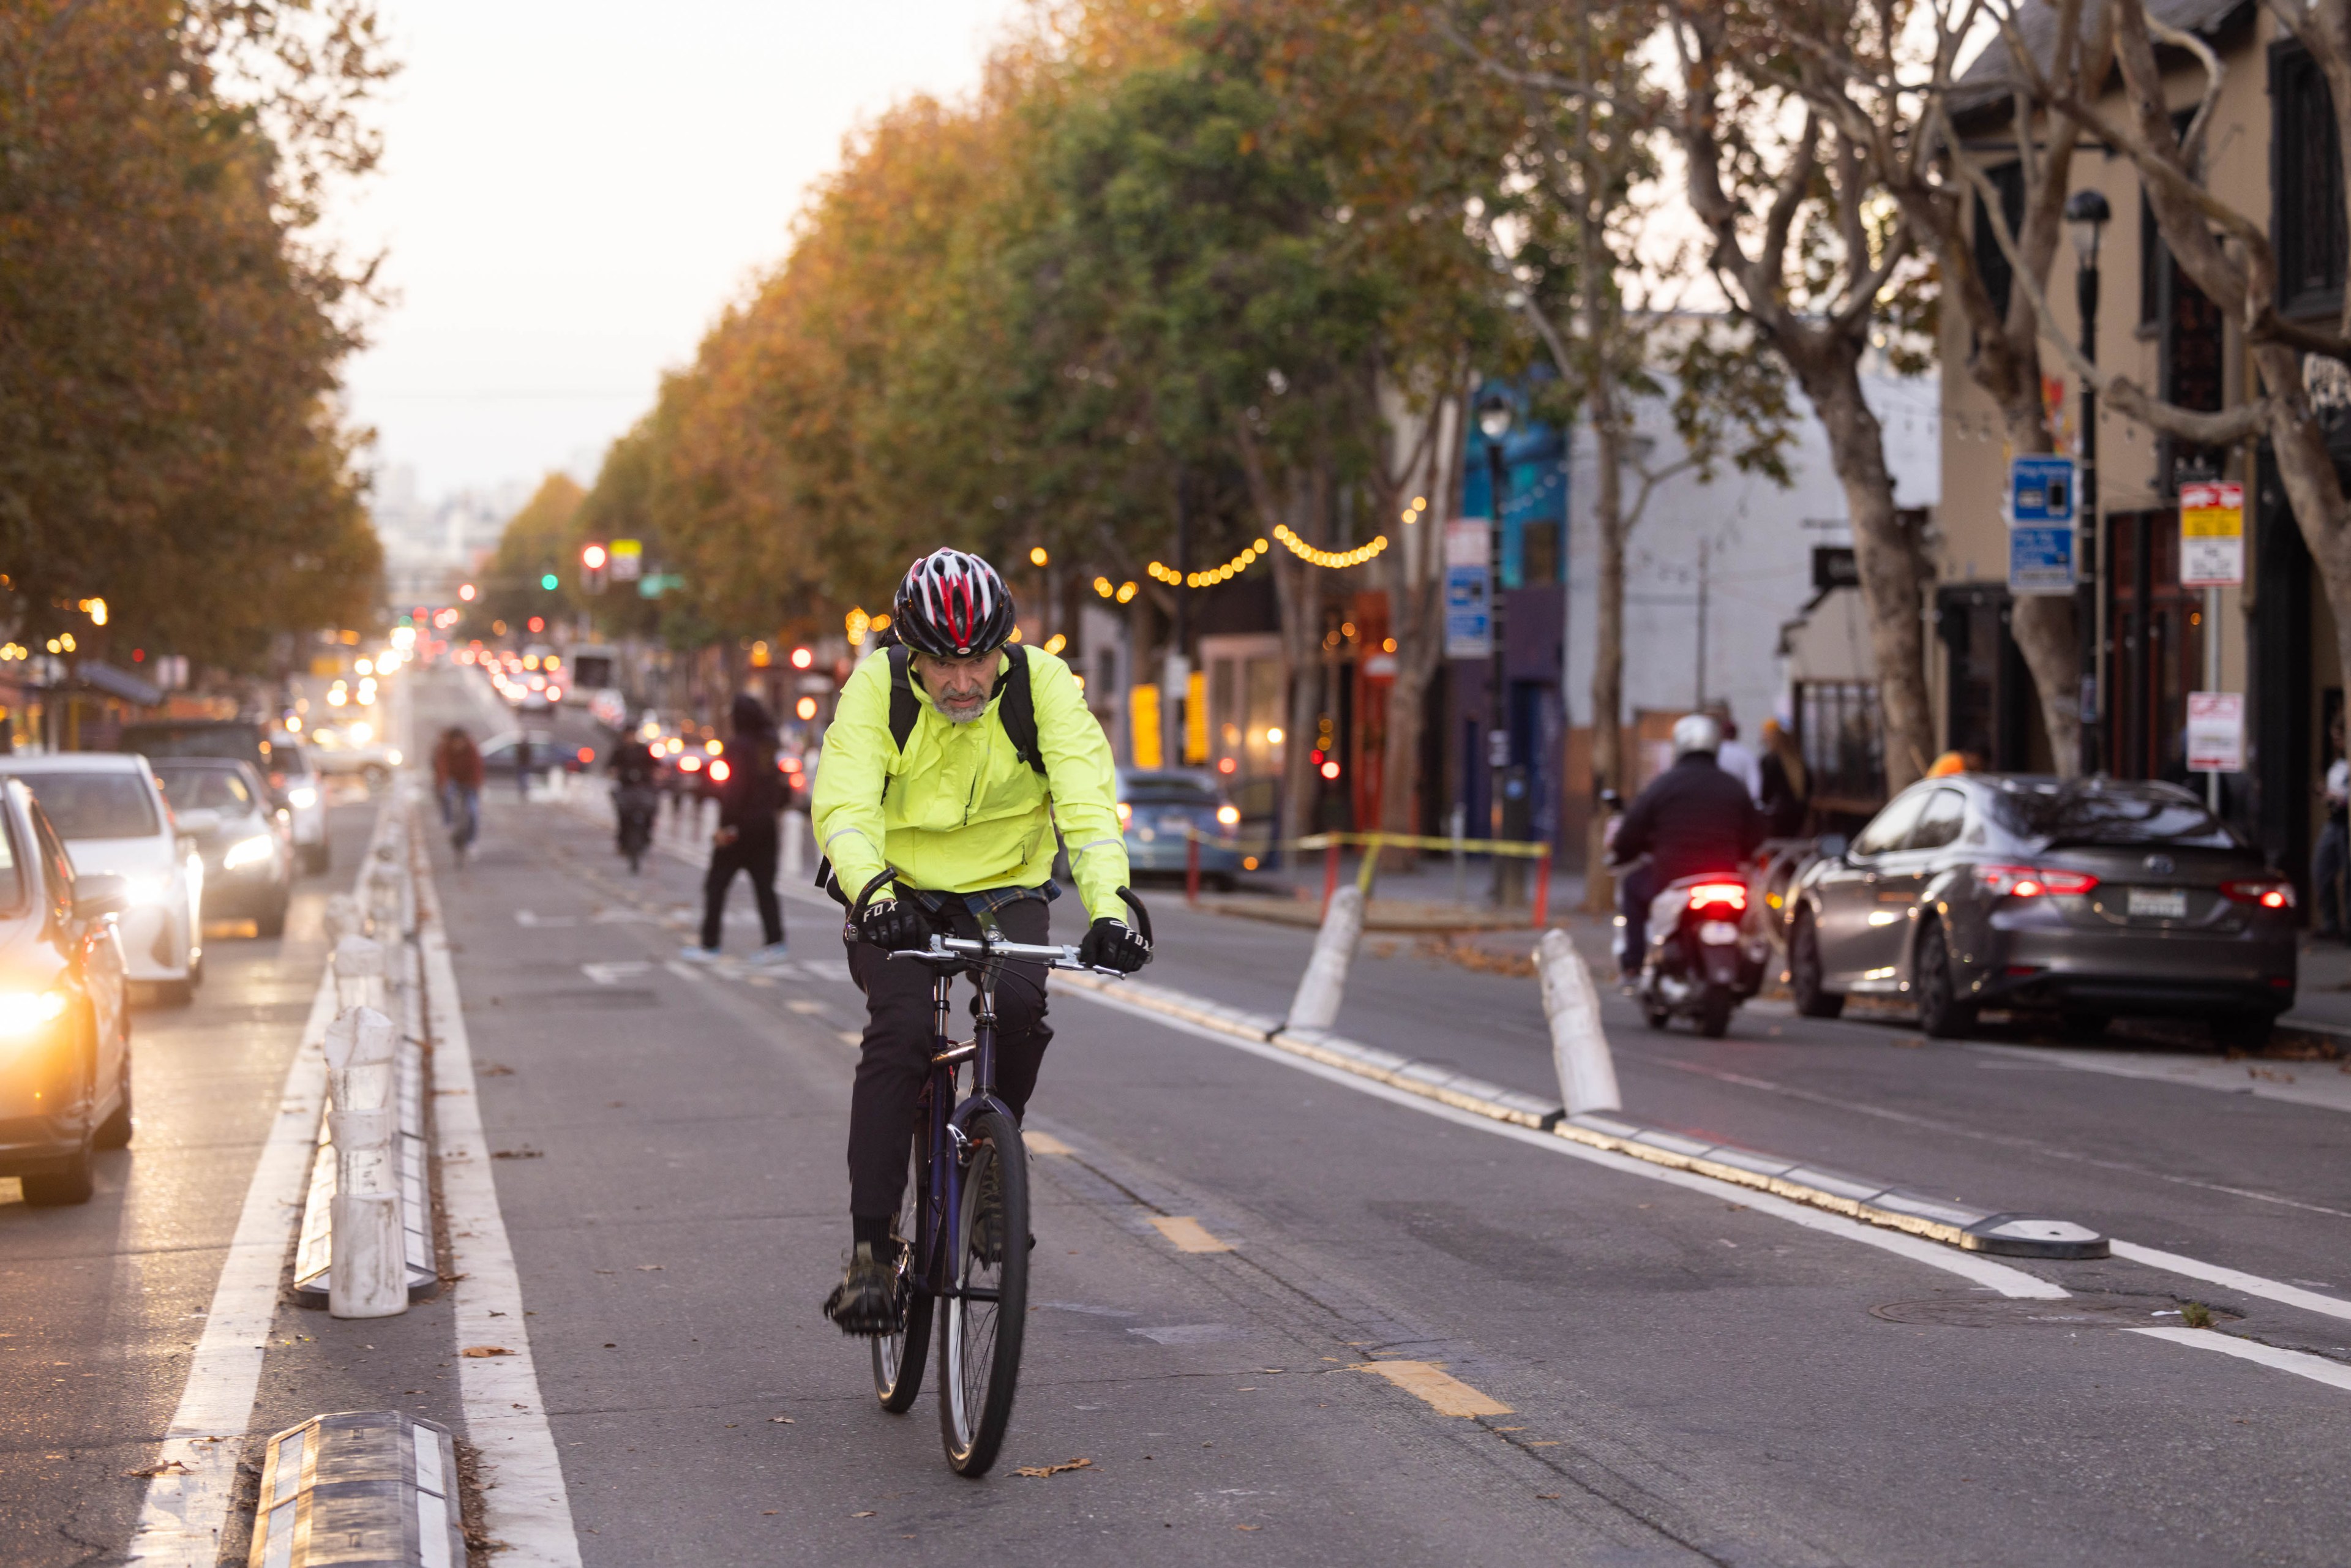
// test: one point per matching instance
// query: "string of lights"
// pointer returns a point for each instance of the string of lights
(1213, 575)
(1334, 560)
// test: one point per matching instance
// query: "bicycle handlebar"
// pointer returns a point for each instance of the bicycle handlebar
(961, 950)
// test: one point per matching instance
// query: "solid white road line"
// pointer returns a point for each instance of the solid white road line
(524, 1501)
(2235, 1280)
(1977, 1269)
(2295, 1083)
(186, 1507)
(2317, 1368)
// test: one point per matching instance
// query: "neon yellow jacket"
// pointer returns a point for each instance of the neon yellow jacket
(963, 813)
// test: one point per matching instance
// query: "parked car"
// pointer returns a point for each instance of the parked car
(108, 809)
(502, 755)
(65, 1074)
(299, 788)
(2089, 898)
(248, 851)
(236, 739)
(1160, 811)
(352, 749)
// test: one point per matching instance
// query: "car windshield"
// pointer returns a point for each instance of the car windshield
(288, 759)
(232, 741)
(1148, 791)
(205, 789)
(96, 805)
(2112, 813)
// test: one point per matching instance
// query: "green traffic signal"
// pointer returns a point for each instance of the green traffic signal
(546, 582)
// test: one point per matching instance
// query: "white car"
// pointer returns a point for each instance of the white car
(352, 749)
(298, 785)
(111, 813)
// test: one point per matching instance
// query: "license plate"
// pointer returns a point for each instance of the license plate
(2158, 903)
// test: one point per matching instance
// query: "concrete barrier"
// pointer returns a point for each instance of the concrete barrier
(1316, 1005)
(1578, 1047)
(358, 974)
(344, 918)
(364, 1488)
(359, 1046)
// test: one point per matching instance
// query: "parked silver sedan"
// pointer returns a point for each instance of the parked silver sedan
(2091, 898)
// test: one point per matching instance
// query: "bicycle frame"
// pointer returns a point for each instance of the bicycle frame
(944, 1129)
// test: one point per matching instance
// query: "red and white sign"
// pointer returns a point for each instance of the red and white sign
(2216, 732)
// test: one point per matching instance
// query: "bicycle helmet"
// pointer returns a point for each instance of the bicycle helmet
(952, 606)
(1697, 732)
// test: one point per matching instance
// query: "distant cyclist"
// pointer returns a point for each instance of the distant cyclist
(950, 761)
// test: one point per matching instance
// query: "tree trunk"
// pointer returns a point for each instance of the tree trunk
(2306, 469)
(1417, 597)
(1608, 770)
(1893, 567)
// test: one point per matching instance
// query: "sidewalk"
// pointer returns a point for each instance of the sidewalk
(1435, 895)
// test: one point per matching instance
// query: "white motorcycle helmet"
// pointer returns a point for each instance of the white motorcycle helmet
(1697, 732)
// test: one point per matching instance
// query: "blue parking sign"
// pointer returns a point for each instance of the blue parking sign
(2041, 489)
(2041, 560)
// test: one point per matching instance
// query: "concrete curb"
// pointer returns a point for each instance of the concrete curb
(1874, 1202)
(371, 1489)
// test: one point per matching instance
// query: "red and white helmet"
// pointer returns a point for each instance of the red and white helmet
(952, 606)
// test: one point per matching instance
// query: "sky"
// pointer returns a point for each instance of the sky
(571, 193)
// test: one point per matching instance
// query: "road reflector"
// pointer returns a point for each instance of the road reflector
(1187, 1233)
(1446, 1395)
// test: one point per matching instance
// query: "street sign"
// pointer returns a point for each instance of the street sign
(2216, 732)
(2041, 560)
(2041, 489)
(1468, 617)
(2212, 535)
(628, 560)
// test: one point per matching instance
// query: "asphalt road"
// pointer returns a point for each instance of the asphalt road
(1688, 1376)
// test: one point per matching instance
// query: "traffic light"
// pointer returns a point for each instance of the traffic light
(593, 558)
(547, 579)
(466, 593)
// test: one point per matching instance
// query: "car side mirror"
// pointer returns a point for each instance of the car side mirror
(100, 893)
(1832, 846)
(199, 822)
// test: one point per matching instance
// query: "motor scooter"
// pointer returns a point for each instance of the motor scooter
(1704, 955)
(634, 804)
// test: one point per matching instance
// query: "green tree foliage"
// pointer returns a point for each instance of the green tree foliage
(169, 335)
(540, 541)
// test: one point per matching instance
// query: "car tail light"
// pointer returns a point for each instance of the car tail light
(2032, 881)
(1126, 813)
(689, 763)
(2262, 892)
(1718, 896)
(1230, 816)
(719, 771)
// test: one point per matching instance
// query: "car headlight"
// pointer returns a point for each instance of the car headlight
(392, 756)
(146, 889)
(1229, 816)
(24, 1012)
(303, 795)
(245, 853)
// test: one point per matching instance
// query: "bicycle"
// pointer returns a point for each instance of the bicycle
(962, 1226)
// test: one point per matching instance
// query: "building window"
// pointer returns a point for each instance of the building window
(2152, 256)
(2307, 185)
(1991, 262)
(1845, 752)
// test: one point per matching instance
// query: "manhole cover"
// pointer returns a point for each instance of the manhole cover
(1992, 1312)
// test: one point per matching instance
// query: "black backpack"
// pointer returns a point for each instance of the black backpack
(1018, 713)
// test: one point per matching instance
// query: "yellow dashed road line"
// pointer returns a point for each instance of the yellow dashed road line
(1187, 1234)
(1045, 1144)
(1446, 1395)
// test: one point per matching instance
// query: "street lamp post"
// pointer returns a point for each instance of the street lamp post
(2086, 216)
(1495, 417)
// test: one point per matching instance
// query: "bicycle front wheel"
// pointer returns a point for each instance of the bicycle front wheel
(898, 1357)
(988, 1306)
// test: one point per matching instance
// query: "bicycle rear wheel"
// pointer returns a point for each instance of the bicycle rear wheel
(979, 1340)
(898, 1357)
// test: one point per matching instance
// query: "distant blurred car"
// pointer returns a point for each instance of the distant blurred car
(247, 848)
(303, 793)
(353, 750)
(107, 807)
(1162, 811)
(502, 754)
(65, 1035)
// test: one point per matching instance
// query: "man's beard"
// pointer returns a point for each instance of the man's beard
(964, 713)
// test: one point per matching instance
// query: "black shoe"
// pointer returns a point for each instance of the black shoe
(867, 1300)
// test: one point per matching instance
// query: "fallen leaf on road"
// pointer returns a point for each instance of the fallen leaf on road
(768, 1513)
(785, 1420)
(648, 1268)
(1249, 1527)
(1039, 1472)
(1546, 1497)
(479, 1351)
(524, 1153)
(495, 1070)
(867, 1513)
(168, 1467)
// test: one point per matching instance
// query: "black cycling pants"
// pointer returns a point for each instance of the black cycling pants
(898, 1049)
(754, 854)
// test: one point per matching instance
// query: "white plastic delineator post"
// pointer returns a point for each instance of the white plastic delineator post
(368, 1277)
(358, 974)
(1579, 1047)
(796, 830)
(344, 917)
(359, 1046)
(1316, 1006)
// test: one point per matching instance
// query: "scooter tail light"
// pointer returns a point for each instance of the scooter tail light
(1718, 896)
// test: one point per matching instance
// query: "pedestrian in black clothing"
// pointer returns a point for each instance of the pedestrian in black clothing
(751, 797)
(1787, 799)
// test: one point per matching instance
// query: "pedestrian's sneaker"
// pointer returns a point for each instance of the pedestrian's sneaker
(773, 952)
(693, 955)
(867, 1300)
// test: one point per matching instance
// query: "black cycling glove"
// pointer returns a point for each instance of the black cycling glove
(893, 927)
(1110, 944)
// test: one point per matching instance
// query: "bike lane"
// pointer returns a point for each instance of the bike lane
(1686, 1378)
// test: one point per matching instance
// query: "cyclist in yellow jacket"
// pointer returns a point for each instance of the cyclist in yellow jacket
(950, 763)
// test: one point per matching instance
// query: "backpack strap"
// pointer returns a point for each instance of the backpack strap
(1019, 710)
(905, 708)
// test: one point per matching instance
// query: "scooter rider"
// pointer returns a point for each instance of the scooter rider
(1692, 818)
(950, 762)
